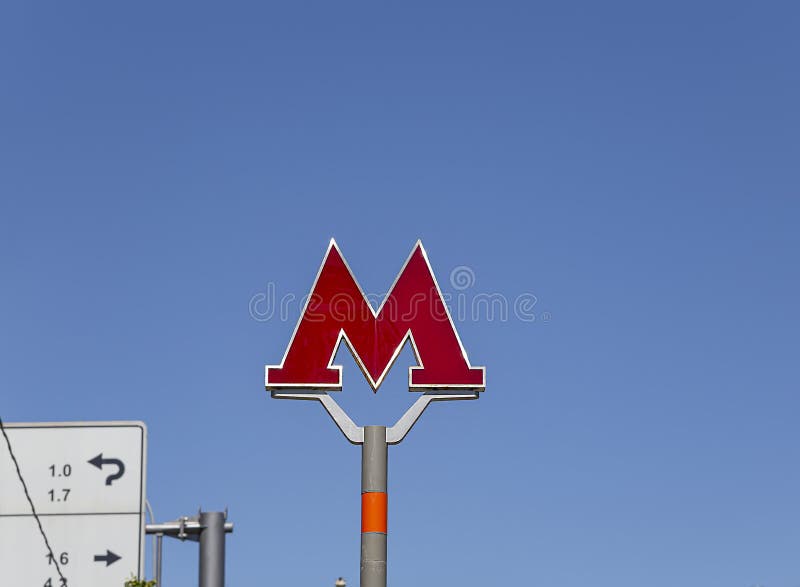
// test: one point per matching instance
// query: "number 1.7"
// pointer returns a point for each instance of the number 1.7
(64, 493)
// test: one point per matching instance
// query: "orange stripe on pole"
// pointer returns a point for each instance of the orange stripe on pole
(373, 511)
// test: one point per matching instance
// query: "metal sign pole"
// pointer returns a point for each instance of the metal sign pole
(212, 549)
(207, 528)
(374, 456)
(157, 561)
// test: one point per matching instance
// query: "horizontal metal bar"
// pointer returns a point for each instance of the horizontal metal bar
(175, 528)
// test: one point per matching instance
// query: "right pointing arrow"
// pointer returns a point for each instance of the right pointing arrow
(109, 558)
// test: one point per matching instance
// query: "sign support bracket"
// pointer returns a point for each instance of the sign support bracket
(394, 434)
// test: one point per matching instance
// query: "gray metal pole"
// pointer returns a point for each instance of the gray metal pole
(374, 457)
(212, 549)
(157, 563)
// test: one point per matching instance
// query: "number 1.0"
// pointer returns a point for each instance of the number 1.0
(65, 471)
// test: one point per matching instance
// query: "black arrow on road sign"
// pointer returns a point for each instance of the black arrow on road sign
(109, 558)
(99, 461)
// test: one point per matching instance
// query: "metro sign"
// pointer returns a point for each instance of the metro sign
(338, 310)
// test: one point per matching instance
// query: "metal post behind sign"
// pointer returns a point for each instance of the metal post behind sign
(374, 456)
(212, 549)
(157, 559)
(207, 528)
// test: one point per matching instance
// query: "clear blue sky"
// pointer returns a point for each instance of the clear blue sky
(633, 166)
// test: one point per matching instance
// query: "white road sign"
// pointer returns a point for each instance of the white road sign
(87, 482)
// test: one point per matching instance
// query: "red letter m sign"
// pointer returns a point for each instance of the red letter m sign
(413, 310)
